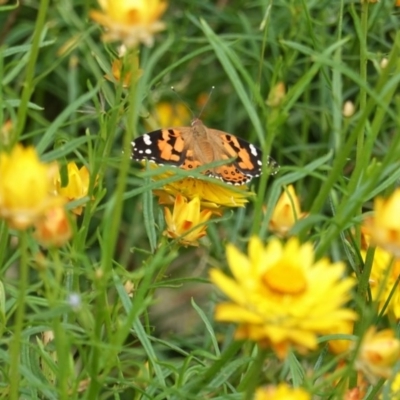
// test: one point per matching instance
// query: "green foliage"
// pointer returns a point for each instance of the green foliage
(160, 341)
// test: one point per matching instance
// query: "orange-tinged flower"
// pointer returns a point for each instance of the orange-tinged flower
(281, 297)
(342, 379)
(281, 392)
(384, 226)
(25, 187)
(186, 223)
(124, 74)
(130, 21)
(5, 132)
(286, 213)
(77, 187)
(378, 353)
(53, 229)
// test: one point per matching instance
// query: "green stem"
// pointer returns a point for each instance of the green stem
(252, 376)
(30, 71)
(3, 241)
(363, 75)
(16, 345)
(360, 151)
(60, 337)
(111, 229)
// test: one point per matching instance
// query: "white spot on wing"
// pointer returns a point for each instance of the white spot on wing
(253, 150)
(147, 139)
(148, 151)
(259, 162)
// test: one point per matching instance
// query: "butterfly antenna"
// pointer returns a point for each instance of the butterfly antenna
(206, 102)
(183, 101)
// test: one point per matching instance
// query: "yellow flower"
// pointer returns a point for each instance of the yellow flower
(281, 297)
(186, 223)
(281, 392)
(384, 226)
(383, 278)
(172, 115)
(286, 213)
(25, 187)
(77, 187)
(131, 21)
(212, 195)
(338, 346)
(378, 353)
(53, 229)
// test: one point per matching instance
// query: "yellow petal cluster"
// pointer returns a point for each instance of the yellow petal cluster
(77, 187)
(168, 114)
(130, 21)
(186, 223)
(212, 195)
(280, 297)
(26, 187)
(384, 226)
(281, 392)
(286, 212)
(378, 353)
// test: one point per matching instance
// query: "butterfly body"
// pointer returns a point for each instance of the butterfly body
(197, 145)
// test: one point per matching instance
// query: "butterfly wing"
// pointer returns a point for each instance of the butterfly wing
(163, 146)
(174, 146)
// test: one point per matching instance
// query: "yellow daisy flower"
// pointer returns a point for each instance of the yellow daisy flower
(281, 392)
(25, 187)
(281, 297)
(186, 223)
(130, 21)
(212, 195)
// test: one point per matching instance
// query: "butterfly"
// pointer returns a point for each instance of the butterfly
(197, 145)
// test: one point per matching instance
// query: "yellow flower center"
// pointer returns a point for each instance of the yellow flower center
(285, 279)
